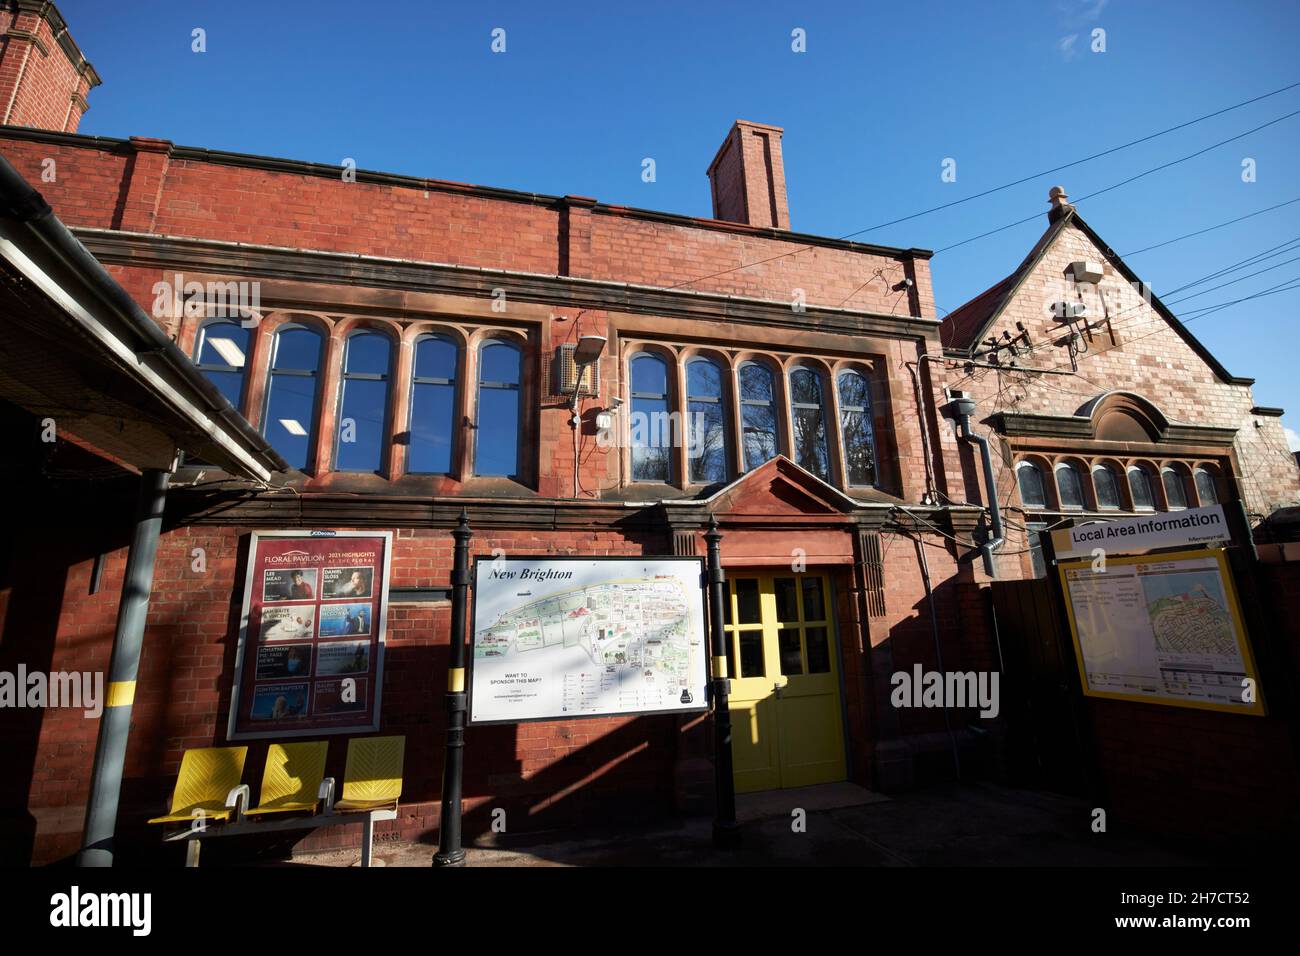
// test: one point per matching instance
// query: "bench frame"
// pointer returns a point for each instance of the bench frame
(238, 824)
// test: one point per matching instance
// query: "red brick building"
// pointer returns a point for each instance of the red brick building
(1101, 403)
(1138, 415)
(850, 514)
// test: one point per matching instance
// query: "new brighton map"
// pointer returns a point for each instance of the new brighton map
(579, 642)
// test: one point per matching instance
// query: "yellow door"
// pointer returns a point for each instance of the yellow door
(786, 729)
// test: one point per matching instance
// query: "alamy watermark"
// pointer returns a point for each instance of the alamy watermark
(699, 432)
(958, 689)
(180, 297)
(75, 909)
(78, 690)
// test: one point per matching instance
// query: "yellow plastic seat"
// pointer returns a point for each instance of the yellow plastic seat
(206, 776)
(291, 780)
(372, 779)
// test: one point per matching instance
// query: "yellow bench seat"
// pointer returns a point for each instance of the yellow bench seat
(207, 775)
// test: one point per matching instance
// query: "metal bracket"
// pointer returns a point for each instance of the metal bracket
(237, 799)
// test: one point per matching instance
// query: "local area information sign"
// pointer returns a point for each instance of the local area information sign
(556, 638)
(1162, 628)
(1178, 529)
(311, 640)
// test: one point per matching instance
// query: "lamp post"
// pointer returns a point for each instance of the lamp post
(726, 832)
(450, 852)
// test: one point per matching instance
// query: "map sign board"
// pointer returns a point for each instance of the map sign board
(311, 639)
(1163, 629)
(555, 638)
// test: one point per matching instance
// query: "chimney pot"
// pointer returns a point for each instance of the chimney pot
(1060, 203)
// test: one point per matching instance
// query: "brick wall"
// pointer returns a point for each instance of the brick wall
(137, 187)
(541, 774)
(186, 670)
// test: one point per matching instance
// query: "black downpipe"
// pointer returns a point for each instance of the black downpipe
(960, 410)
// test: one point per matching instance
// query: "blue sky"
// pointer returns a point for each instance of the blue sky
(882, 96)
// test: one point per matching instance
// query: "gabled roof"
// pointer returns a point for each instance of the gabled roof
(965, 327)
(780, 485)
(967, 322)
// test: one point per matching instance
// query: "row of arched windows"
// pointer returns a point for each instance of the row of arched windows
(735, 423)
(291, 408)
(1103, 487)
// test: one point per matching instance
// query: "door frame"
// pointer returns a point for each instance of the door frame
(834, 640)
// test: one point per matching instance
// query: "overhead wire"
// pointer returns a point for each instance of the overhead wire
(1021, 180)
(1124, 182)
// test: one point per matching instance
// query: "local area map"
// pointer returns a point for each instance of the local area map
(1160, 628)
(1188, 615)
(605, 647)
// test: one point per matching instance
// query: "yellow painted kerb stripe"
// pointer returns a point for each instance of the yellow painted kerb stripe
(720, 666)
(121, 693)
(455, 680)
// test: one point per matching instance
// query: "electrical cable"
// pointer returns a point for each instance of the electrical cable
(1020, 181)
(1123, 182)
(1201, 232)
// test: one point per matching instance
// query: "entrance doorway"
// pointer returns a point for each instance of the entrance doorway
(786, 720)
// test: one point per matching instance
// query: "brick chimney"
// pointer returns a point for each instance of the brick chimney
(748, 177)
(44, 78)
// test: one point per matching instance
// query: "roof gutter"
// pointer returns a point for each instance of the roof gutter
(204, 405)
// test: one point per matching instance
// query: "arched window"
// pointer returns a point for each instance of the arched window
(289, 423)
(651, 428)
(221, 354)
(1205, 487)
(433, 406)
(1107, 487)
(1069, 486)
(856, 430)
(1175, 491)
(1030, 478)
(496, 447)
(808, 418)
(758, 413)
(363, 402)
(706, 429)
(1139, 485)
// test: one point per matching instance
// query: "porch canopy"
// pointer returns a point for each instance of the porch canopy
(76, 348)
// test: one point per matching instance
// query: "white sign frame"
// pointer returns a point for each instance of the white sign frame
(691, 568)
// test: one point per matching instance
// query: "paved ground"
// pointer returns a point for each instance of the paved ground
(973, 824)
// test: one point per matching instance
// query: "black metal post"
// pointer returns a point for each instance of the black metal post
(450, 852)
(115, 724)
(726, 832)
